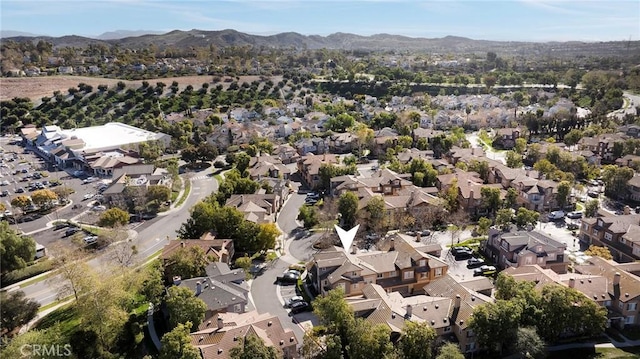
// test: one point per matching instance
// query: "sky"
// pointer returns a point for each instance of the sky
(506, 20)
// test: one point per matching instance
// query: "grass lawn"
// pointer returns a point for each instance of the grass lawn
(66, 318)
(185, 194)
(596, 353)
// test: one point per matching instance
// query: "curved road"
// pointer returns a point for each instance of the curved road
(152, 235)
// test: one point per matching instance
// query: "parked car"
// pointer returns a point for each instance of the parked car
(19, 190)
(289, 302)
(90, 239)
(574, 215)
(299, 307)
(71, 231)
(593, 194)
(484, 270)
(88, 180)
(289, 278)
(555, 215)
(475, 262)
(60, 225)
(88, 196)
(461, 252)
(99, 208)
(4, 193)
(572, 226)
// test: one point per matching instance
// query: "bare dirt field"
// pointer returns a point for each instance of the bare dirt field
(37, 87)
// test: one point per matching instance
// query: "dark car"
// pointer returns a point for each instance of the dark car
(288, 303)
(461, 252)
(475, 262)
(299, 307)
(289, 278)
(593, 194)
(4, 193)
(71, 231)
(60, 225)
(484, 270)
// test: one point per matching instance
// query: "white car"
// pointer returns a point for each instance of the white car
(90, 239)
(88, 196)
(99, 208)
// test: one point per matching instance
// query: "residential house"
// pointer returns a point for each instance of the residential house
(286, 153)
(506, 137)
(314, 145)
(404, 268)
(534, 194)
(309, 167)
(222, 289)
(267, 166)
(410, 154)
(622, 288)
(217, 336)
(632, 161)
(385, 138)
(620, 234)
(515, 249)
(465, 300)
(342, 142)
(465, 155)
(257, 208)
(602, 145)
(219, 250)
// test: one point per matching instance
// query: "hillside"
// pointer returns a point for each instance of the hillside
(345, 41)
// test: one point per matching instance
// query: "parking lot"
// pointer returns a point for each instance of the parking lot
(17, 169)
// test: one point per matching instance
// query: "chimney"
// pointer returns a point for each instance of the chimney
(418, 237)
(572, 282)
(354, 249)
(177, 280)
(616, 279)
(241, 199)
(392, 245)
(182, 244)
(409, 311)
(457, 302)
(220, 322)
(198, 288)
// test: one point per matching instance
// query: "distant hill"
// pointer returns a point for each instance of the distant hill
(120, 34)
(345, 41)
(10, 33)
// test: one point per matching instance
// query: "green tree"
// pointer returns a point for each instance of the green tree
(511, 199)
(365, 338)
(15, 250)
(527, 217)
(152, 286)
(17, 310)
(243, 262)
(514, 160)
(184, 307)
(207, 152)
(252, 347)
(348, 208)
(177, 344)
(615, 180)
(591, 208)
(450, 351)
(450, 195)
(309, 216)
(564, 189)
(572, 137)
(242, 161)
(417, 341)
(520, 146)
(335, 314)
(529, 344)
(484, 224)
(19, 345)
(481, 168)
(189, 155)
(376, 214)
(490, 197)
(504, 218)
(267, 236)
(188, 262)
(114, 217)
(158, 193)
(495, 324)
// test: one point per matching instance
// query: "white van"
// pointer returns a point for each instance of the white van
(555, 215)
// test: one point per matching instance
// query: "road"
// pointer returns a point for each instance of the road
(152, 235)
(474, 140)
(632, 101)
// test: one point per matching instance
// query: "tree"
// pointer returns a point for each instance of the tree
(450, 351)
(43, 197)
(207, 152)
(480, 167)
(564, 189)
(484, 224)
(572, 137)
(188, 262)
(495, 324)
(336, 315)
(267, 236)
(591, 208)
(21, 346)
(309, 216)
(15, 250)
(184, 307)
(504, 217)
(17, 310)
(189, 155)
(21, 202)
(520, 146)
(529, 344)
(242, 161)
(527, 217)
(158, 193)
(602, 252)
(450, 195)
(376, 214)
(348, 208)
(177, 344)
(75, 275)
(113, 217)
(365, 338)
(416, 341)
(252, 347)
(490, 197)
(511, 199)
(514, 160)
(615, 180)
(123, 253)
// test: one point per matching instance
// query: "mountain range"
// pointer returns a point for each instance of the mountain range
(342, 41)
